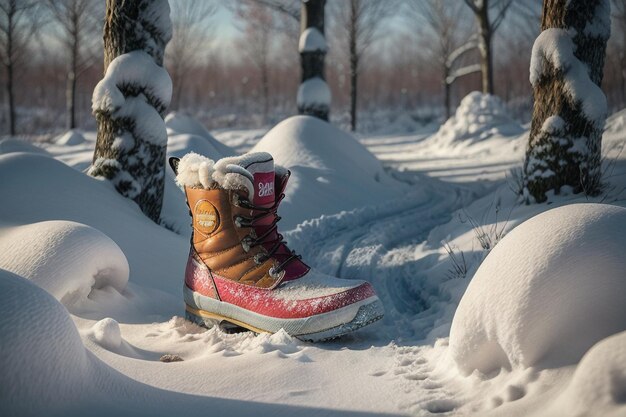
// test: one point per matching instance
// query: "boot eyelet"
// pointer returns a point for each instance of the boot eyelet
(273, 274)
(245, 244)
(257, 258)
(237, 221)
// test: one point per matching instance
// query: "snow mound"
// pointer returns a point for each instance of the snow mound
(331, 171)
(177, 122)
(70, 138)
(614, 124)
(154, 254)
(266, 342)
(182, 144)
(546, 293)
(478, 117)
(12, 145)
(43, 360)
(186, 134)
(598, 386)
(106, 333)
(66, 259)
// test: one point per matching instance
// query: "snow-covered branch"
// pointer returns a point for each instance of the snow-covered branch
(470, 69)
(458, 52)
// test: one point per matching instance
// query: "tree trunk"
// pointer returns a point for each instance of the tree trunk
(131, 141)
(9, 58)
(623, 59)
(446, 91)
(70, 93)
(70, 97)
(312, 58)
(354, 63)
(265, 90)
(11, 99)
(570, 108)
(484, 46)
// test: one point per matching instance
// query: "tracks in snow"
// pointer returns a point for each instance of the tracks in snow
(379, 243)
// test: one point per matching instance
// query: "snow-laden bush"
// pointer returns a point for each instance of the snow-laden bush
(478, 117)
(551, 289)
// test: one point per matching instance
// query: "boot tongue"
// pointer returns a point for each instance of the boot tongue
(263, 174)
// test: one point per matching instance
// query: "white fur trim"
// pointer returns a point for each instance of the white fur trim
(232, 173)
(235, 180)
(195, 171)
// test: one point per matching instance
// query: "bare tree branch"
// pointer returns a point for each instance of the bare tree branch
(79, 22)
(504, 6)
(192, 25)
(360, 23)
(471, 5)
(290, 8)
(19, 21)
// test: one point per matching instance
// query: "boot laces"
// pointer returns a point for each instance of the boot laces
(265, 237)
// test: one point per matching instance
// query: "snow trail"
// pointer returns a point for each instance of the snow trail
(378, 243)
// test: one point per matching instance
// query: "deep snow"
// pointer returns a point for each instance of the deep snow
(551, 289)
(399, 208)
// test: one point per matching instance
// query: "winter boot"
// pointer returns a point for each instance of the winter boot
(239, 269)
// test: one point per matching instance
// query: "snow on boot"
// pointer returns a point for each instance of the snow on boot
(239, 269)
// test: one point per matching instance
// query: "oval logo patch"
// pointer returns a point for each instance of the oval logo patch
(206, 218)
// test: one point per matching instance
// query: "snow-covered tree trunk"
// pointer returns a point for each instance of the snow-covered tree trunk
(313, 94)
(570, 108)
(130, 101)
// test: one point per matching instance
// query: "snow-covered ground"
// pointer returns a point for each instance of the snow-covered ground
(416, 219)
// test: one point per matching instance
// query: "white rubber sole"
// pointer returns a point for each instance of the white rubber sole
(207, 311)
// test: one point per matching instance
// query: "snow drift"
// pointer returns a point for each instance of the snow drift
(72, 137)
(614, 123)
(43, 360)
(46, 369)
(331, 171)
(546, 293)
(598, 386)
(478, 117)
(11, 145)
(185, 134)
(66, 259)
(156, 256)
